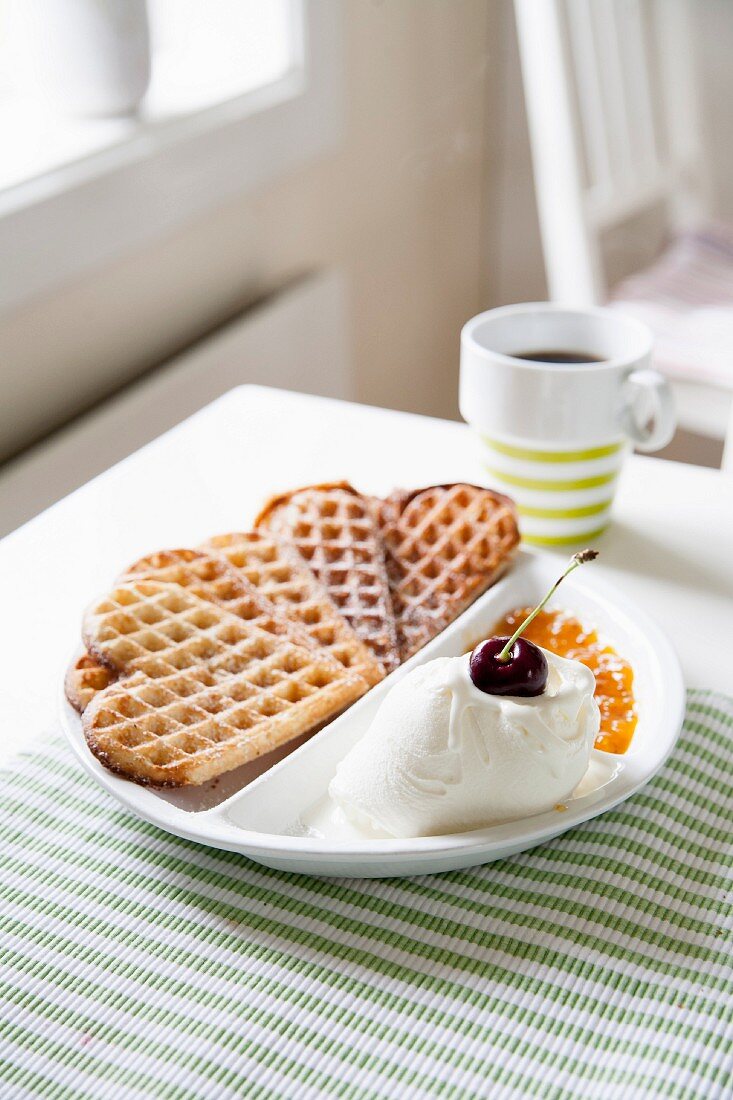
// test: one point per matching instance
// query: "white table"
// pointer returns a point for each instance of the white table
(670, 547)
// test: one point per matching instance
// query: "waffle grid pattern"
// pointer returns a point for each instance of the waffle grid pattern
(210, 577)
(445, 546)
(205, 690)
(277, 572)
(335, 532)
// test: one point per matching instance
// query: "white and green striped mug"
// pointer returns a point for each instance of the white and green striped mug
(554, 434)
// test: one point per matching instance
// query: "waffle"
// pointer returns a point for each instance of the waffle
(277, 571)
(202, 690)
(445, 546)
(210, 577)
(84, 678)
(255, 560)
(334, 529)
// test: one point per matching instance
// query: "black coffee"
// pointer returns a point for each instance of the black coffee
(567, 357)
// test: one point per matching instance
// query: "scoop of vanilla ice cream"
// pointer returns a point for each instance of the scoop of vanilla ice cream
(443, 757)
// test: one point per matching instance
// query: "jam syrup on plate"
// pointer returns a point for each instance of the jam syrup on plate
(562, 633)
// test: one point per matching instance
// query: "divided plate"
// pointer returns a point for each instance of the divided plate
(257, 809)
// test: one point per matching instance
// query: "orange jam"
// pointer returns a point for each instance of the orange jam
(565, 635)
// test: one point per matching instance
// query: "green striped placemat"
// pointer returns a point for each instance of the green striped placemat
(134, 964)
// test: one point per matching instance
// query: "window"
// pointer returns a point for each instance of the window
(206, 51)
(203, 52)
(241, 91)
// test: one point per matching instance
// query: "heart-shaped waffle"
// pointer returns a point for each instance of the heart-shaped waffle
(334, 529)
(201, 690)
(445, 546)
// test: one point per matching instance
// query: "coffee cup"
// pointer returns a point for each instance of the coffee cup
(557, 398)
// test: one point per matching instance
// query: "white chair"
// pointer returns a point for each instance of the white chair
(612, 109)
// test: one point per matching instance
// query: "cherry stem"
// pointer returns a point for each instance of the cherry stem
(577, 559)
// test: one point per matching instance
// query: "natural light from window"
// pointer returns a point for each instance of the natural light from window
(203, 53)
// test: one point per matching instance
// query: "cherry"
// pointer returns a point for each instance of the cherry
(522, 672)
(516, 666)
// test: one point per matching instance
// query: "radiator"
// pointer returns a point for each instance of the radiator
(296, 339)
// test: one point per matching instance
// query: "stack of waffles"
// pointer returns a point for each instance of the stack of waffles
(201, 660)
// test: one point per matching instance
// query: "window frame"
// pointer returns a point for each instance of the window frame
(58, 226)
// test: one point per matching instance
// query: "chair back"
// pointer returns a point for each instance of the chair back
(727, 463)
(612, 109)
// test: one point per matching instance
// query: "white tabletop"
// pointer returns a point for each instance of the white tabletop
(670, 546)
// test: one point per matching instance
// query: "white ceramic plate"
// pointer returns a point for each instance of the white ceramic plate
(256, 810)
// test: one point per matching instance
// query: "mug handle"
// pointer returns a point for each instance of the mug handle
(647, 410)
